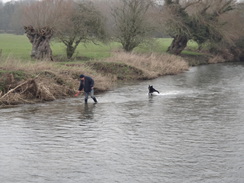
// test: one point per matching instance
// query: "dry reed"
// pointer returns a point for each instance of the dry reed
(153, 65)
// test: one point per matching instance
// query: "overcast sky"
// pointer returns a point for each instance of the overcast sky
(4, 1)
(17, 0)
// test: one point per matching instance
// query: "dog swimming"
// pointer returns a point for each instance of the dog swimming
(152, 91)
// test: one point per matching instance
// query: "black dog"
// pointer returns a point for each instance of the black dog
(151, 90)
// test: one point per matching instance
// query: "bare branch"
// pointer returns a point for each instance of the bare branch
(190, 3)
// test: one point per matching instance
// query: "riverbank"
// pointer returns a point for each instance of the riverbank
(40, 81)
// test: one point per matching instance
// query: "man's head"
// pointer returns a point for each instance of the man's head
(82, 77)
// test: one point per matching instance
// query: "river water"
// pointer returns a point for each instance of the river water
(193, 132)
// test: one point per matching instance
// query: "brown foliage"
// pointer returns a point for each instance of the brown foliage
(47, 13)
(5, 81)
(33, 90)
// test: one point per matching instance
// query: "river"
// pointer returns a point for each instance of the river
(193, 132)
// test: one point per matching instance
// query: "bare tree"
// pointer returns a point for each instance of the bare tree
(104, 7)
(131, 25)
(85, 24)
(6, 11)
(41, 20)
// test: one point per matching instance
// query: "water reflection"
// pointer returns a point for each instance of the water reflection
(87, 111)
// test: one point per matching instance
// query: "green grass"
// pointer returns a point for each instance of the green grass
(161, 45)
(19, 75)
(15, 46)
(85, 51)
(19, 47)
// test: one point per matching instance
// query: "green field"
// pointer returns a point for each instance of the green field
(19, 47)
(14, 46)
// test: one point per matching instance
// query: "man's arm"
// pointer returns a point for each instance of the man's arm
(92, 83)
(80, 89)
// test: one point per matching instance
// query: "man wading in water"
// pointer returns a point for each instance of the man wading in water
(86, 83)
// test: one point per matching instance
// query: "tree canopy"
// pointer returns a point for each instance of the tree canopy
(85, 24)
(131, 25)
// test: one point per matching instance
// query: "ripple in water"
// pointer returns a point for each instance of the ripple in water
(192, 132)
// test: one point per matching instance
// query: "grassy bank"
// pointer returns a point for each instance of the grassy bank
(19, 47)
(28, 81)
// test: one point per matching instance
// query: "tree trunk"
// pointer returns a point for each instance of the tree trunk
(178, 45)
(70, 51)
(71, 46)
(40, 40)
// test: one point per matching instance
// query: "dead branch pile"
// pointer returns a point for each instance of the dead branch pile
(27, 92)
(46, 86)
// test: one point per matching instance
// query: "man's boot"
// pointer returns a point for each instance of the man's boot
(95, 100)
(86, 101)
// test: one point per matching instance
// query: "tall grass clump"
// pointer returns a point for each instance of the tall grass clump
(29, 66)
(152, 64)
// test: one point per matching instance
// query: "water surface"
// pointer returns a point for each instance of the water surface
(191, 133)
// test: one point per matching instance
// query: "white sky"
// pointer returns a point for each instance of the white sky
(4, 1)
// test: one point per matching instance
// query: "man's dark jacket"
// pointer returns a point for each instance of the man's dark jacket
(87, 84)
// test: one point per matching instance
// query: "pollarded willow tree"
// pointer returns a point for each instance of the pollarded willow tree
(177, 24)
(41, 20)
(209, 24)
(197, 20)
(131, 22)
(40, 38)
